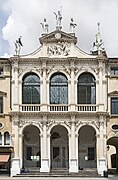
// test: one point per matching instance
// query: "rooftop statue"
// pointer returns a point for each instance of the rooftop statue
(58, 20)
(98, 45)
(72, 25)
(45, 26)
(18, 45)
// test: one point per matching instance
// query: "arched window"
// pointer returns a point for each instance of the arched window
(86, 89)
(31, 89)
(0, 138)
(58, 89)
(6, 138)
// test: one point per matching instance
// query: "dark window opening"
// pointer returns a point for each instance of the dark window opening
(6, 138)
(58, 89)
(31, 89)
(86, 89)
(91, 153)
(114, 71)
(1, 104)
(29, 153)
(114, 105)
(55, 152)
(1, 71)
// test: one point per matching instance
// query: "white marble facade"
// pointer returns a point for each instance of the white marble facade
(51, 136)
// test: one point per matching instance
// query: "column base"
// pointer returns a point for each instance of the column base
(45, 165)
(73, 165)
(102, 166)
(15, 167)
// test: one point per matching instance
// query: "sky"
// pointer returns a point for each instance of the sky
(23, 18)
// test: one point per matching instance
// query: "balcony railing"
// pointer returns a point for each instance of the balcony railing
(86, 107)
(59, 107)
(30, 107)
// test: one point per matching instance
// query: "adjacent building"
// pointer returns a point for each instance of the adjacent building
(5, 118)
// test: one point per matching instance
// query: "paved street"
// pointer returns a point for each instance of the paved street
(111, 177)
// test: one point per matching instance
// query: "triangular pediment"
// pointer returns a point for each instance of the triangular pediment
(3, 93)
(58, 36)
(113, 93)
(59, 44)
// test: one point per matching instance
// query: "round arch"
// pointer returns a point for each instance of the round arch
(86, 89)
(28, 124)
(56, 124)
(27, 72)
(87, 147)
(59, 143)
(58, 71)
(83, 71)
(31, 88)
(58, 89)
(86, 124)
(31, 146)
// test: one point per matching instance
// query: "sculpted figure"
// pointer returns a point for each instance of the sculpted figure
(45, 26)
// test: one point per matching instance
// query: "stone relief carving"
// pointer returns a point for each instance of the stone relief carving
(96, 70)
(67, 70)
(60, 49)
(23, 122)
(21, 70)
(48, 70)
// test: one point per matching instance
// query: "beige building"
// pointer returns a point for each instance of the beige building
(112, 122)
(5, 119)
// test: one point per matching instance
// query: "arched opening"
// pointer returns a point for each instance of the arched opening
(31, 147)
(87, 147)
(58, 89)
(59, 148)
(86, 89)
(31, 89)
(6, 138)
(113, 141)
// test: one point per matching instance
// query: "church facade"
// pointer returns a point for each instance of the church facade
(64, 106)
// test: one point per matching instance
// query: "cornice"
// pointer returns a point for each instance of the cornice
(60, 113)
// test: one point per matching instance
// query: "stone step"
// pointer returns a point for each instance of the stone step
(61, 173)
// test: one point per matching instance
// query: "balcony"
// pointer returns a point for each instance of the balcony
(30, 107)
(58, 107)
(86, 107)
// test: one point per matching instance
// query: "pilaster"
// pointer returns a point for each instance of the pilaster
(44, 87)
(15, 164)
(73, 160)
(44, 147)
(102, 162)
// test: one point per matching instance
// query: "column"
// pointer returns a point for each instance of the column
(15, 102)
(44, 88)
(100, 100)
(73, 162)
(15, 165)
(44, 148)
(21, 150)
(72, 87)
(102, 162)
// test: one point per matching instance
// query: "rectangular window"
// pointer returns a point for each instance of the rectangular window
(91, 153)
(114, 105)
(29, 153)
(55, 152)
(1, 104)
(1, 71)
(114, 71)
